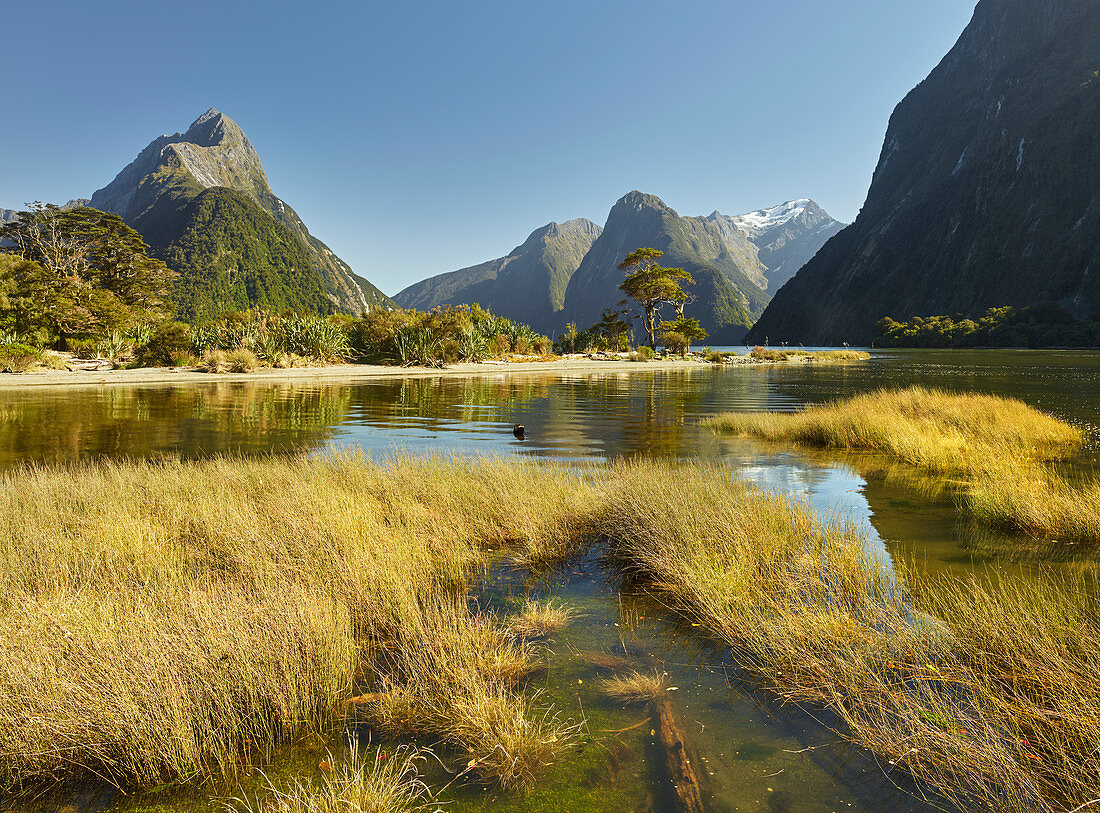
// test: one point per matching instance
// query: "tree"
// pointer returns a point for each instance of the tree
(613, 329)
(85, 272)
(679, 334)
(651, 286)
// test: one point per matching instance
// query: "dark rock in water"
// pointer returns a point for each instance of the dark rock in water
(519, 431)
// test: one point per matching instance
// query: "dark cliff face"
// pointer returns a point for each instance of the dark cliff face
(987, 191)
(723, 262)
(527, 285)
(155, 191)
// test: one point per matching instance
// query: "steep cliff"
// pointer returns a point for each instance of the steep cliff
(987, 190)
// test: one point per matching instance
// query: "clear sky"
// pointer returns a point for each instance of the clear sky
(417, 138)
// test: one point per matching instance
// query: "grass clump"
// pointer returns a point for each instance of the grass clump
(160, 619)
(241, 360)
(539, 619)
(386, 783)
(788, 354)
(990, 695)
(926, 428)
(1037, 501)
(635, 687)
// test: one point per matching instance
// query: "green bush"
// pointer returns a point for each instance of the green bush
(18, 358)
(168, 340)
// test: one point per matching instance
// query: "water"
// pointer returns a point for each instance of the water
(747, 744)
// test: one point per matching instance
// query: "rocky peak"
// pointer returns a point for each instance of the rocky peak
(214, 151)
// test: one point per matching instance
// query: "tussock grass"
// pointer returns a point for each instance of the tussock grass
(241, 360)
(1037, 501)
(375, 782)
(635, 687)
(449, 675)
(791, 354)
(926, 428)
(161, 619)
(990, 695)
(539, 619)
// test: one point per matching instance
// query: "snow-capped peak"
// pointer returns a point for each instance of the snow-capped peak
(763, 220)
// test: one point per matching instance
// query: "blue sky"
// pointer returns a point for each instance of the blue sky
(417, 138)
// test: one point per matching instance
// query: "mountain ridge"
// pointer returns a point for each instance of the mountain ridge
(985, 192)
(153, 191)
(528, 284)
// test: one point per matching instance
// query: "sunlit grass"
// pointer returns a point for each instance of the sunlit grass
(797, 354)
(929, 429)
(991, 695)
(371, 782)
(1037, 501)
(539, 619)
(161, 619)
(635, 687)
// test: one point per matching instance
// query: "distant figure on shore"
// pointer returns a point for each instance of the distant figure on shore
(518, 430)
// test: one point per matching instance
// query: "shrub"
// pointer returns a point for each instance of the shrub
(643, 353)
(18, 358)
(166, 340)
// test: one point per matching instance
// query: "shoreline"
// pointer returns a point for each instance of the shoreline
(346, 372)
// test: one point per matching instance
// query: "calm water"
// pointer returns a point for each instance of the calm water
(758, 757)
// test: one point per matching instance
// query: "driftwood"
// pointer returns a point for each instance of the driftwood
(680, 767)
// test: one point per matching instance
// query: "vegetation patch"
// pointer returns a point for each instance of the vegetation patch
(987, 694)
(375, 782)
(164, 619)
(1037, 501)
(780, 354)
(925, 428)
(540, 619)
(635, 687)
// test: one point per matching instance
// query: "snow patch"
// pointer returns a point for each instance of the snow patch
(959, 165)
(762, 220)
(1020, 155)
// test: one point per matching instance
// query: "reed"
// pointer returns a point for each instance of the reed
(635, 687)
(164, 618)
(539, 619)
(1037, 501)
(926, 428)
(374, 782)
(791, 354)
(989, 695)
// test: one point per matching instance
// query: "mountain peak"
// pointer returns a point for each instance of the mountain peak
(640, 200)
(211, 113)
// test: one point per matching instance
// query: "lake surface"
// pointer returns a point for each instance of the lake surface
(760, 757)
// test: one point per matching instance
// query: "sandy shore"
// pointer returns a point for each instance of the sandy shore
(343, 372)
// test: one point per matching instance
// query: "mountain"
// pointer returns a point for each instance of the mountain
(167, 194)
(8, 215)
(986, 193)
(729, 276)
(527, 285)
(786, 236)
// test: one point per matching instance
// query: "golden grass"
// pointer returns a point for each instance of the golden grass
(539, 619)
(375, 782)
(926, 428)
(635, 687)
(990, 695)
(159, 619)
(791, 354)
(1037, 501)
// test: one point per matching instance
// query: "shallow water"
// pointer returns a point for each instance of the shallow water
(748, 744)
